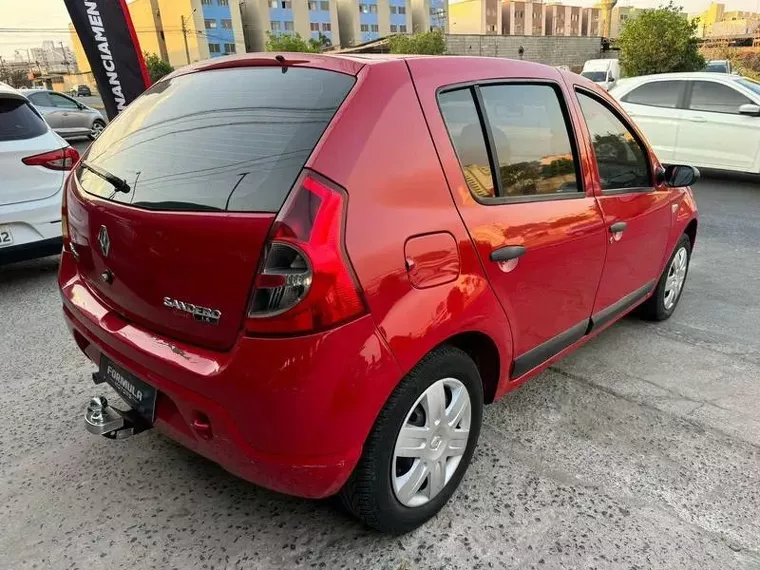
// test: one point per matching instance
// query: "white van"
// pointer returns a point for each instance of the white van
(603, 72)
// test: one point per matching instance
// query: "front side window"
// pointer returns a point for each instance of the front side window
(620, 158)
(463, 124)
(657, 94)
(750, 84)
(534, 155)
(63, 102)
(716, 98)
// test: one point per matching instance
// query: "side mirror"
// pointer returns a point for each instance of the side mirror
(750, 109)
(679, 175)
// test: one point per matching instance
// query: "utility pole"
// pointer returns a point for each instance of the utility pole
(184, 35)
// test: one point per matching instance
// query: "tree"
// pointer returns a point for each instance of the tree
(660, 41)
(157, 67)
(294, 42)
(15, 78)
(429, 43)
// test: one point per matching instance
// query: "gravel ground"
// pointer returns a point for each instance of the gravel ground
(641, 450)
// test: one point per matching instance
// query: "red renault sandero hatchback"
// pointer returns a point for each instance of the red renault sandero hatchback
(316, 271)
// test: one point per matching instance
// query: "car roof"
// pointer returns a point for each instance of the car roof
(8, 92)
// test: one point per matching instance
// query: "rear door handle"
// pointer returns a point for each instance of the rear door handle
(618, 227)
(697, 119)
(507, 252)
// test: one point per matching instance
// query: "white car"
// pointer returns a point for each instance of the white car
(710, 120)
(33, 164)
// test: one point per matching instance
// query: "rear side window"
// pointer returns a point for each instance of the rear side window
(223, 140)
(621, 160)
(19, 121)
(461, 117)
(716, 98)
(41, 99)
(657, 94)
(531, 151)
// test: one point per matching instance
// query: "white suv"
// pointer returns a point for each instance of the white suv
(33, 165)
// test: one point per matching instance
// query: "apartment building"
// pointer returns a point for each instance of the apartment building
(523, 18)
(619, 16)
(561, 20)
(591, 22)
(717, 22)
(308, 18)
(475, 17)
(366, 20)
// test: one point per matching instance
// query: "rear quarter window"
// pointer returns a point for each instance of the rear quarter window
(224, 140)
(18, 121)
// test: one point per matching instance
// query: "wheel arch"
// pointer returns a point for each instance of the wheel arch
(691, 231)
(483, 351)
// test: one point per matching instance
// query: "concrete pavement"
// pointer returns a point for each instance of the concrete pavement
(641, 450)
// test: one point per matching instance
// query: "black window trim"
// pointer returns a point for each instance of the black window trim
(680, 103)
(629, 127)
(690, 90)
(500, 199)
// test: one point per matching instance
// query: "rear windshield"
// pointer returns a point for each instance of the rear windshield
(233, 139)
(19, 121)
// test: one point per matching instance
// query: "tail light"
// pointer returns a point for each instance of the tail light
(61, 159)
(305, 281)
(65, 215)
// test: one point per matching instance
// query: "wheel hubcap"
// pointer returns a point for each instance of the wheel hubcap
(97, 128)
(676, 277)
(431, 442)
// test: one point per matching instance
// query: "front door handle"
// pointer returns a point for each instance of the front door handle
(507, 252)
(618, 227)
(697, 119)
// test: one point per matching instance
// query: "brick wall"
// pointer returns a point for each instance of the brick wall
(551, 50)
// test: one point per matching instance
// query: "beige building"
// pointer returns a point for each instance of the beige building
(591, 22)
(716, 22)
(619, 16)
(475, 17)
(309, 18)
(368, 20)
(429, 15)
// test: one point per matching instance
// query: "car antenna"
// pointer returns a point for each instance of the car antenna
(281, 58)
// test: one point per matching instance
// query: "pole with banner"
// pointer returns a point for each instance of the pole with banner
(110, 43)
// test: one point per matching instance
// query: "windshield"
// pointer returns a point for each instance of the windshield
(717, 67)
(750, 84)
(233, 139)
(595, 76)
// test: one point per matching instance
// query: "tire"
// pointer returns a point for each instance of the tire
(97, 128)
(370, 493)
(660, 306)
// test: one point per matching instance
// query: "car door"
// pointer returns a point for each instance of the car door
(713, 133)
(52, 114)
(655, 108)
(75, 120)
(516, 178)
(637, 214)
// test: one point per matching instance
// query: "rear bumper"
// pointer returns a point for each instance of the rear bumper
(289, 414)
(36, 228)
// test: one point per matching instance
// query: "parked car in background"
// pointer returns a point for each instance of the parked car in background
(67, 117)
(318, 279)
(81, 91)
(33, 163)
(603, 72)
(718, 66)
(709, 120)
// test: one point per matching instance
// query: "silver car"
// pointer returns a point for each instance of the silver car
(67, 117)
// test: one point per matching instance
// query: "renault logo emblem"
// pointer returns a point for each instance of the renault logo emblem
(104, 241)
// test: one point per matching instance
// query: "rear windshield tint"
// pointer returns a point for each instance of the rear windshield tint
(19, 121)
(226, 140)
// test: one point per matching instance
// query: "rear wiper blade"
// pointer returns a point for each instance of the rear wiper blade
(118, 184)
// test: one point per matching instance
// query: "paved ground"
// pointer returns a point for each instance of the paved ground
(642, 450)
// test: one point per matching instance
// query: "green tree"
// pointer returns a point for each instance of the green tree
(294, 42)
(157, 67)
(428, 43)
(15, 78)
(660, 41)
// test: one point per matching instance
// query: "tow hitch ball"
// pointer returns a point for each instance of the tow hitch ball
(105, 420)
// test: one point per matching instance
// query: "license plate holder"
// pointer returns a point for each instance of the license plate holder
(140, 395)
(6, 237)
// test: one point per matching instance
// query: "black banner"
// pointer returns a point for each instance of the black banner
(110, 43)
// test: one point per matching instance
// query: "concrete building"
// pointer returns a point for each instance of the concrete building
(181, 31)
(591, 20)
(308, 18)
(475, 17)
(366, 20)
(50, 57)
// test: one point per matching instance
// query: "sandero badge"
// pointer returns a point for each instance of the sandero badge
(202, 314)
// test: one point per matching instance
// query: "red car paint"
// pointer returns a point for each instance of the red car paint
(291, 412)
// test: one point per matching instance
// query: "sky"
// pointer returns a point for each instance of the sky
(50, 20)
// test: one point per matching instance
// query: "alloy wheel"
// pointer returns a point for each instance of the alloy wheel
(676, 277)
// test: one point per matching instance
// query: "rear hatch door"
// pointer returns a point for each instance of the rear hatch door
(23, 133)
(208, 158)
